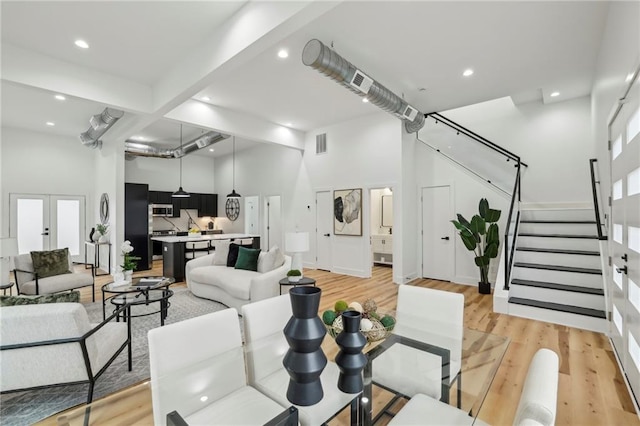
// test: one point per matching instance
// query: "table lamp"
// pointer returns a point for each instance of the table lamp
(8, 249)
(296, 243)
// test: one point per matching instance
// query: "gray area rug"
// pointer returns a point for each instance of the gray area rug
(26, 408)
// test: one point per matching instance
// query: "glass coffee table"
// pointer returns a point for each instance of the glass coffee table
(141, 291)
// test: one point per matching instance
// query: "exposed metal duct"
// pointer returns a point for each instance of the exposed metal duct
(100, 123)
(137, 149)
(322, 58)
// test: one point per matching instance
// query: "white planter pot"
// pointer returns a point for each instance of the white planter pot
(294, 279)
(128, 276)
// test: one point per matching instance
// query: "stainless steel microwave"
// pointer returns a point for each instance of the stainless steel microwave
(162, 210)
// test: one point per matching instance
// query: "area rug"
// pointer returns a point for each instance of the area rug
(26, 408)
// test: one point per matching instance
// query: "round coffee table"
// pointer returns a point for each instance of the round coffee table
(303, 281)
(141, 291)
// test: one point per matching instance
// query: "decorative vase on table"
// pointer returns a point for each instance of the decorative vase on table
(350, 360)
(128, 275)
(93, 231)
(305, 360)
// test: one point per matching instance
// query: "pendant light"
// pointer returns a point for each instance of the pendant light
(233, 193)
(181, 193)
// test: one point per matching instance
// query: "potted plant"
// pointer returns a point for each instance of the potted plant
(294, 275)
(129, 262)
(481, 237)
(102, 229)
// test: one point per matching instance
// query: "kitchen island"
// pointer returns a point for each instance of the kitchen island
(173, 250)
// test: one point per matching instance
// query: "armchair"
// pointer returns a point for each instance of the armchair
(55, 344)
(28, 281)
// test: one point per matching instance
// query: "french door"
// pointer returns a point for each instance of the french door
(47, 222)
(624, 287)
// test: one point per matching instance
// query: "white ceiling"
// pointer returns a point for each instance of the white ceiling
(521, 49)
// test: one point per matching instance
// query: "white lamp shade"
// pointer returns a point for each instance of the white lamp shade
(296, 242)
(8, 247)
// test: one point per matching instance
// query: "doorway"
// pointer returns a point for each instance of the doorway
(438, 248)
(273, 222)
(381, 226)
(252, 215)
(46, 222)
(324, 225)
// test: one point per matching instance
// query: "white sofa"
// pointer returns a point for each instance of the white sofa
(230, 286)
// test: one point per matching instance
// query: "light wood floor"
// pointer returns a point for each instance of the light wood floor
(591, 388)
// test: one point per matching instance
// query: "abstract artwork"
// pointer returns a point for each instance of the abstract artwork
(347, 212)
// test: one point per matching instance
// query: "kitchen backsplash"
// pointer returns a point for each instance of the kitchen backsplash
(181, 223)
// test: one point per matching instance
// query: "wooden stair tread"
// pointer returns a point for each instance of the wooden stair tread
(558, 268)
(558, 307)
(559, 251)
(556, 286)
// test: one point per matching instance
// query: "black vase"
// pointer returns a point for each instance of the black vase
(93, 230)
(350, 360)
(305, 360)
(484, 288)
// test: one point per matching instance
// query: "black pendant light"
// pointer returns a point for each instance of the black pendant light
(181, 193)
(233, 193)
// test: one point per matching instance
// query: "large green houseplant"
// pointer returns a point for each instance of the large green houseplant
(481, 237)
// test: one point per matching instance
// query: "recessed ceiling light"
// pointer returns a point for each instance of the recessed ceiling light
(282, 53)
(365, 100)
(211, 149)
(138, 138)
(629, 77)
(205, 98)
(204, 398)
(50, 123)
(82, 44)
(467, 72)
(60, 97)
(288, 124)
(554, 94)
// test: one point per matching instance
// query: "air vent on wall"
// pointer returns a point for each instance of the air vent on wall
(321, 143)
(410, 113)
(361, 82)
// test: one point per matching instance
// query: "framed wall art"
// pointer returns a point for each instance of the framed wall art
(347, 212)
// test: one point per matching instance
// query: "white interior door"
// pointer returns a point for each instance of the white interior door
(273, 222)
(437, 233)
(624, 285)
(47, 222)
(324, 226)
(252, 215)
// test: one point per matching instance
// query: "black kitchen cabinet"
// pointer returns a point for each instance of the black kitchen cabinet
(208, 205)
(160, 197)
(136, 222)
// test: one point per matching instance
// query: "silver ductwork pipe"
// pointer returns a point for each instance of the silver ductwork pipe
(100, 123)
(320, 57)
(138, 149)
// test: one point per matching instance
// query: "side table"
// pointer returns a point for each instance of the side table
(5, 287)
(96, 256)
(303, 281)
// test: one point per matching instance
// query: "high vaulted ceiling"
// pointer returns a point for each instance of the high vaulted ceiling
(157, 60)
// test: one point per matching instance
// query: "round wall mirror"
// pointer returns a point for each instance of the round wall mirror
(104, 209)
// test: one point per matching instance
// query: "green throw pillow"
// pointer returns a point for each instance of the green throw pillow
(51, 262)
(73, 296)
(247, 259)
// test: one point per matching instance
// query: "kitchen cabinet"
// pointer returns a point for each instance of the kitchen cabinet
(160, 197)
(382, 246)
(136, 222)
(208, 205)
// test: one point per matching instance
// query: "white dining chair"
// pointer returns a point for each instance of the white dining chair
(198, 370)
(434, 317)
(265, 345)
(537, 406)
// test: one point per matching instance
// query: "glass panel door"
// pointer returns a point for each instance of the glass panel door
(67, 217)
(30, 222)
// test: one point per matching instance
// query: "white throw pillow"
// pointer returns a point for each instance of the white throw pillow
(222, 252)
(268, 261)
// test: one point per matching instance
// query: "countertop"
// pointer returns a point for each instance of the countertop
(186, 239)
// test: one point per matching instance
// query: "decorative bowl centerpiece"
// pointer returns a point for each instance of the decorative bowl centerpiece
(374, 325)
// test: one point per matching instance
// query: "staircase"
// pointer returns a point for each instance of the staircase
(557, 275)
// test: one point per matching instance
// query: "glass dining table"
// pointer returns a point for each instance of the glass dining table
(482, 354)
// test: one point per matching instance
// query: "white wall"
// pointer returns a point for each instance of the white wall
(432, 169)
(163, 174)
(554, 140)
(41, 163)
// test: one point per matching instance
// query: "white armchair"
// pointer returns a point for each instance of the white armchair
(423, 312)
(265, 345)
(537, 405)
(55, 344)
(198, 370)
(28, 281)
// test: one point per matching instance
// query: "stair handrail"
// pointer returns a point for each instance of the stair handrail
(596, 205)
(509, 253)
